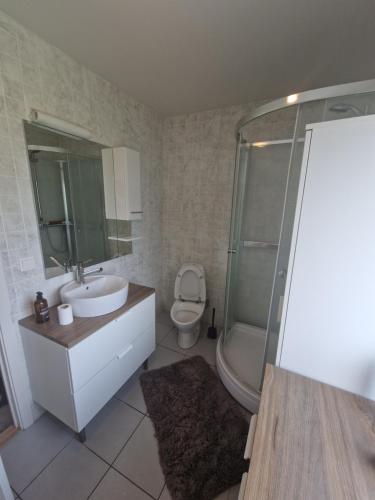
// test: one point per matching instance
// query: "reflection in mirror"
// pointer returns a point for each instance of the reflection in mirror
(67, 179)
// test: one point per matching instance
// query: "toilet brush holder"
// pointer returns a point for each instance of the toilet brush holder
(212, 332)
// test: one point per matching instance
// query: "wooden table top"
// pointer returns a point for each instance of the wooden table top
(312, 442)
(70, 335)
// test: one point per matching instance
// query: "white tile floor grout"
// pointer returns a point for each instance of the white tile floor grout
(110, 463)
(44, 468)
(110, 473)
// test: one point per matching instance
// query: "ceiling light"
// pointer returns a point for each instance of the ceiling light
(292, 98)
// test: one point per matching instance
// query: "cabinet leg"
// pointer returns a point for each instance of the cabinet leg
(81, 436)
(145, 364)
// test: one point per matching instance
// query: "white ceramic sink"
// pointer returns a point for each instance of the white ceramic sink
(98, 295)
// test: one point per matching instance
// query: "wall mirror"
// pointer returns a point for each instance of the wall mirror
(68, 188)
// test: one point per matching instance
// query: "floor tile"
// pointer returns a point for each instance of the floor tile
(165, 318)
(29, 451)
(139, 460)
(111, 428)
(115, 487)
(163, 357)
(170, 341)
(161, 331)
(131, 393)
(72, 475)
(231, 494)
(205, 347)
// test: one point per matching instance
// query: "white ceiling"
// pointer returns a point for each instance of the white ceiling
(180, 56)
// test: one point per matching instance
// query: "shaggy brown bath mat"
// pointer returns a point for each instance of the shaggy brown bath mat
(200, 429)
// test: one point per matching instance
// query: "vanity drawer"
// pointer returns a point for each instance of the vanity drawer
(99, 390)
(92, 354)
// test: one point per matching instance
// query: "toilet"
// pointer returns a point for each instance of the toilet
(189, 304)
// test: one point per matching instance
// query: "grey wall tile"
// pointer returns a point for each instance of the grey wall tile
(198, 168)
(33, 74)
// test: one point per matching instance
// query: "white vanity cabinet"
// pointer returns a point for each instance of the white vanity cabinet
(75, 369)
(122, 171)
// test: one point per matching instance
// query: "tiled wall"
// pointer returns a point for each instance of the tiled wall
(186, 183)
(35, 74)
(198, 167)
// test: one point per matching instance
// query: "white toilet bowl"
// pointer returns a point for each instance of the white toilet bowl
(187, 318)
(188, 308)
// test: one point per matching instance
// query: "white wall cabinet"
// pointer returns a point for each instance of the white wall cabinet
(75, 383)
(327, 330)
(122, 183)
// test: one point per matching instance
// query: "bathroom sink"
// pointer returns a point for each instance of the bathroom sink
(97, 296)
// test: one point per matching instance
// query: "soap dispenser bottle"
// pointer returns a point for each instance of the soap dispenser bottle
(41, 308)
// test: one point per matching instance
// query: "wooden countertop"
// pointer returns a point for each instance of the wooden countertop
(70, 335)
(312, 441)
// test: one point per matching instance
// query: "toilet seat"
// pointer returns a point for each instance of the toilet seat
(185, 313)
(190, 284)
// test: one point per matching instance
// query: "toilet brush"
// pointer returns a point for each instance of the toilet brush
(212, 333)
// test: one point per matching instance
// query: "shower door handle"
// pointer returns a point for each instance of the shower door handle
(232, 250)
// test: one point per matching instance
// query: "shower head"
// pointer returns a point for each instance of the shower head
(342, 107)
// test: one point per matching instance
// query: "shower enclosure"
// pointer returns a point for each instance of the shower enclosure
(270, 144)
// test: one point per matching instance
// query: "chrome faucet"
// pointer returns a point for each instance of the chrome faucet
(81, 273)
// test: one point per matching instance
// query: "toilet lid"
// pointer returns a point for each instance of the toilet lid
(190, 283)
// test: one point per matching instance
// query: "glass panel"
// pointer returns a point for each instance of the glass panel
(54, 212)
(312, 112)
(308, 113)
(348, 106)
(234, 240)
(260, 183)
(261, 220)
(86, 181)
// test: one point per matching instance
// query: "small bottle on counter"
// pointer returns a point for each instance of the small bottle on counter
(41, 308)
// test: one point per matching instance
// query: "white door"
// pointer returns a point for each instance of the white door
(5, 491)
(328, 324)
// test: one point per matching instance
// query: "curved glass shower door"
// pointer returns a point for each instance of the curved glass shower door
(234, 239)
(267, 173)
(256, 220)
